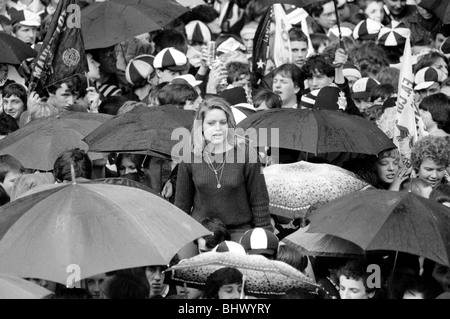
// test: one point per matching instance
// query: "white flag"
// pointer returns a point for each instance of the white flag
(282, 45)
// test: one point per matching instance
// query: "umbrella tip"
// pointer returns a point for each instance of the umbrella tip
(72, 173)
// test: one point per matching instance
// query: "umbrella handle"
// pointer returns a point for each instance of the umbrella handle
(243, 286)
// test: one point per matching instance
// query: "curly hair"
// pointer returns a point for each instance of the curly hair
(369, 58)
(435, 148)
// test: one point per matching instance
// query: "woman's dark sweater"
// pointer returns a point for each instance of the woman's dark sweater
(242, 198)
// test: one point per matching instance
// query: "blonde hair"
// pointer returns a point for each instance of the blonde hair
(198, 142)
(393, 153)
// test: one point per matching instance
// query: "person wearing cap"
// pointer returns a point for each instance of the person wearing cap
(351, 73)
(427, 82)
(360, 93)
(170, 63)
(260, 241)
(24, 26)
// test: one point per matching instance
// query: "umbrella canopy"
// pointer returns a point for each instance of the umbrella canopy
(388, 220)
(18, 288)
(317, 131)
(263, 276)
(315, 244)
(13, 50)
(110, 22)
(98, 227)
(293, 188)
(39, 143)
(297, 3)
(142, 129)
(439, 8)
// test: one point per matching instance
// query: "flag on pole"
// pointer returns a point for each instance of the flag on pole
(261, 48)
(282, 44)
(409, 126)
(62, 54)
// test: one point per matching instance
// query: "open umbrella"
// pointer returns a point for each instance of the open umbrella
(95, 228)
(39, 143)
(315, 244)
(264, 277)
(316, 131)
(17, 288)
(142, 129)
(294, 188)
(13, 50)
(388, 220)
(110, 22)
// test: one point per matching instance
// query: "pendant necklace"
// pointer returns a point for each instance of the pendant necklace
(217, 170)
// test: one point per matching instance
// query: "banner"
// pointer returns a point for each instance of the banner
(261, 48)
(282, 44)
(62, 54)
(409, 126)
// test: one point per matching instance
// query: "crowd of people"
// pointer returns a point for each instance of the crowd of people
(353, 68)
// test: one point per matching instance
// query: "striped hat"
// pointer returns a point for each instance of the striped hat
(109, 90)
(197, 31)
(259, 241)
(425, 77)
(139, 69)
(308, 100)
(25, 17)
(228, 245)
(351, 70)
(367, 30)
(394, 34)
(362, 87)
(172, 59)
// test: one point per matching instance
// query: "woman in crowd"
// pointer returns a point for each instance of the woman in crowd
(222, 176)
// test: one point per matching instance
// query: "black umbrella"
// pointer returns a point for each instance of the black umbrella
(14, 51)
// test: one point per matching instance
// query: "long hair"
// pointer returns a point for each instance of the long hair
(198, 141)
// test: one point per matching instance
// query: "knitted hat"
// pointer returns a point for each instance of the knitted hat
(308, 100)
(25, 17)
(259, 241)
(172, 59)
(139, 69)
(197, 31)
(228, 245)
(362, 87)
(394, 34)
(367, 30)
(351, 70)
(426, 77)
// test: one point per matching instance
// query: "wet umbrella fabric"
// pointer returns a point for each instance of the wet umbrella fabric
(388, 220)
(17, 288)
(263, 276)
(316, 131)
(107, 23)
(294, 188)
(14, 51)
(314, 244)
(39, 143)
(142, 129)
(95, 227)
